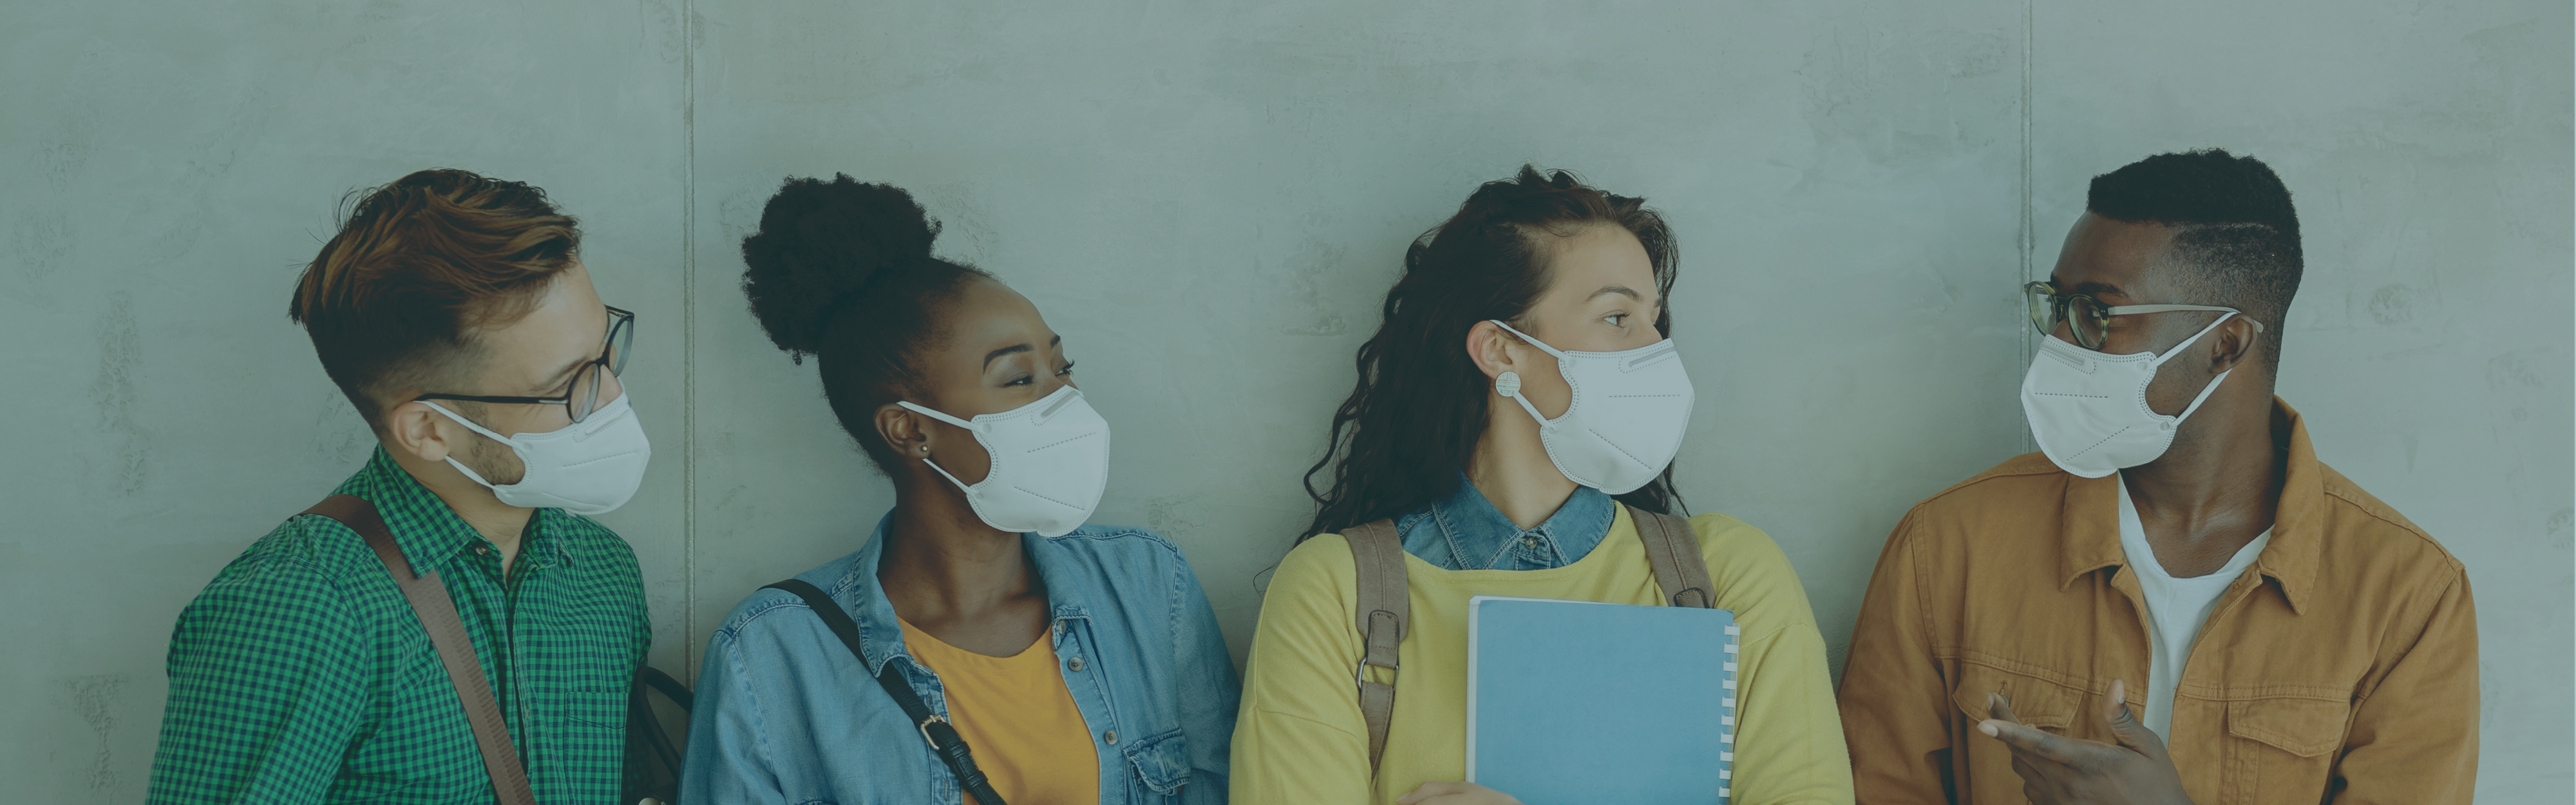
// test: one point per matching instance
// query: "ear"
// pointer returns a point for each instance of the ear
(1493, 349)
(902, 430)
(2233, 344)
(413, 428)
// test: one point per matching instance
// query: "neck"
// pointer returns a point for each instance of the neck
(500, 523)
(2216, 489)
(1512, 469)
(941, 562)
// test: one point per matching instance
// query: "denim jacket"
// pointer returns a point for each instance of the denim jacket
(1465, 532)
(784, 714)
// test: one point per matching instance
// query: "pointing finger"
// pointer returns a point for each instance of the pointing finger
(2000, 707)
(2030, 739)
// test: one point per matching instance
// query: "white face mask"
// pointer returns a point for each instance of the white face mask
(1627, 417)
(587, 467)
(1050, 463)
(2088, 410)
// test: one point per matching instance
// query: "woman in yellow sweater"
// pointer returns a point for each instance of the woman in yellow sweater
(1513, 429)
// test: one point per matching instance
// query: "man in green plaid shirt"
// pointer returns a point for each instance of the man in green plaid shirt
(455, 313)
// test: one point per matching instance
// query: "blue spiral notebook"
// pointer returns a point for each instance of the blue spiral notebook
(1579, 702)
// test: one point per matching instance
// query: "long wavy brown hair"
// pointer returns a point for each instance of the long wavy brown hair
(1410, 426)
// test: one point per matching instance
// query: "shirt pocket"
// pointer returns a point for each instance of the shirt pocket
(2283, 747)
(1162, 766)
(2038, 702)
(1984, 769)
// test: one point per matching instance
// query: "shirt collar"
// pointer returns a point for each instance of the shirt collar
(881, 635)
(857, 590)
(427, 531)
(430, 533)
(1478, 534)
(2299, 522)
(2092, 517)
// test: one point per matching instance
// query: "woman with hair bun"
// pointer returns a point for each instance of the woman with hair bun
(985, 644)
(1466, 463)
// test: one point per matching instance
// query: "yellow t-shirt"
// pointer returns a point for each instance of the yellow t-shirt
(1018, 719)
(1301, 738)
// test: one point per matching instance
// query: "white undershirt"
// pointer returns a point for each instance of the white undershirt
(2176, 608)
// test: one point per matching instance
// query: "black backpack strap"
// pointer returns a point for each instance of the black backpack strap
(943, 737)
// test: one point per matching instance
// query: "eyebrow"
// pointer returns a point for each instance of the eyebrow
(1014, 349)
(2100, 289)
(1617, 289)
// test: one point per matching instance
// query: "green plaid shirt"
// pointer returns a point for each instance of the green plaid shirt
(300, 675)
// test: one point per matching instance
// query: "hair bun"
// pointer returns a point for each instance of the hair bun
(819, 243)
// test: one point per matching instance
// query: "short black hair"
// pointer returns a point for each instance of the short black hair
(2235, 229)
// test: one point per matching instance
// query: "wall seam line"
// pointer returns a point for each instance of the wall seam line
(689, 336)
(2029, 235)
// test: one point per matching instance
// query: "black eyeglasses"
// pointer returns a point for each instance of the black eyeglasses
(2088, 319)
(582, 397)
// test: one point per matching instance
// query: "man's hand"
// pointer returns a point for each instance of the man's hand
(2058, 770)
(1456, 794)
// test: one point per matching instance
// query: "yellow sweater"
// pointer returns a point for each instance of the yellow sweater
(1301, 739)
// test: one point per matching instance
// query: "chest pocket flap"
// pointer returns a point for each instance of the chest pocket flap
(1162, 762)
(2303, 727)
(2037, 702)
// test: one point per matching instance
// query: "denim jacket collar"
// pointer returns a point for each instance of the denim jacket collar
(1477, 536)
(881, 635)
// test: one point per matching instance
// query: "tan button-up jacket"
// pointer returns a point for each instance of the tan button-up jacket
(2342, 667)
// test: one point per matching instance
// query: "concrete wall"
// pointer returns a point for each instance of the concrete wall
(1208, 202)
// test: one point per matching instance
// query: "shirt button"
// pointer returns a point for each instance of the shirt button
(1111, 737)
(480, 550)
(1529, 542)
(1075, 663)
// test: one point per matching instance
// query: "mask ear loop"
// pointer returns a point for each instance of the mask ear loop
(934, 466)
(470, 474)
(2205, 391)
(1512, 388)
(1542, 345)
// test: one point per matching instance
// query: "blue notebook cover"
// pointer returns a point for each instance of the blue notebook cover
(1578, 702)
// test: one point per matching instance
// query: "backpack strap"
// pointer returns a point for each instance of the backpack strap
(944, 740)
(1384, 614)
(429, 601)
(1673, 551)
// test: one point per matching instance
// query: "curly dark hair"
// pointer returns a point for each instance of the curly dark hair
(842, 271)
(1411, 424)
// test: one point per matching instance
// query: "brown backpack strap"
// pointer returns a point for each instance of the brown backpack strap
(1673, 550)
(428, 597)
(1384, 614)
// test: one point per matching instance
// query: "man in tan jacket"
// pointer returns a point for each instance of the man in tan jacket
(2173, 601)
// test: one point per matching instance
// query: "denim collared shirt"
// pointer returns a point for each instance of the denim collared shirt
(785, 714)
(1465, 532)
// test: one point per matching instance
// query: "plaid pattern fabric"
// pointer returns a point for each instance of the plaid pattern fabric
(300, 675)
